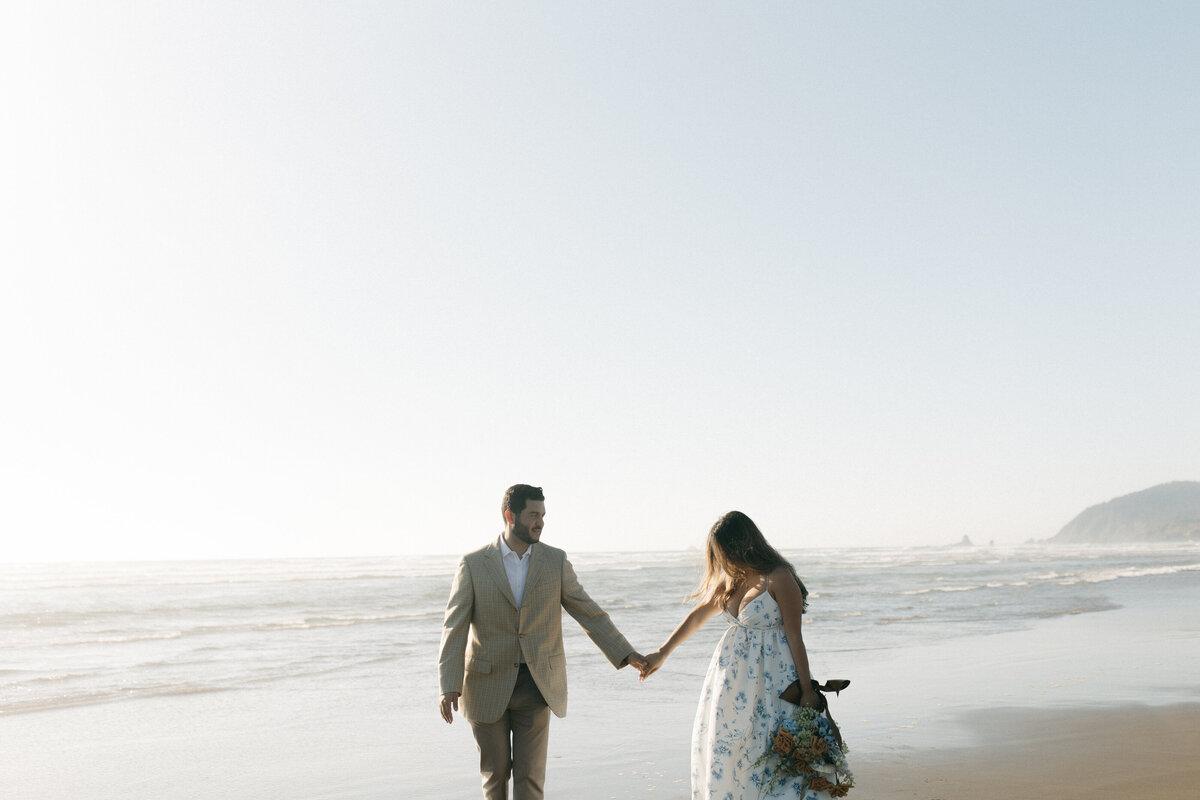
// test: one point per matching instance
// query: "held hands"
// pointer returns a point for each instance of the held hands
(652, 663)
(636, 659)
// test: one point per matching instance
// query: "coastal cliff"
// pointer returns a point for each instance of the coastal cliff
(1169, 512)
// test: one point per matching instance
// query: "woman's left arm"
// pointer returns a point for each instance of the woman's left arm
(783, 587)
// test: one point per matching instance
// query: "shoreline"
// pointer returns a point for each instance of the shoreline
(1068, 706)
(1071, 705)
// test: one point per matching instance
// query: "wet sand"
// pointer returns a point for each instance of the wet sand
(1132, 751)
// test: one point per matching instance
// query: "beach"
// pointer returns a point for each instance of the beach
(1065, 708)
(1083, 706)
(321, 683)
(1069, 754)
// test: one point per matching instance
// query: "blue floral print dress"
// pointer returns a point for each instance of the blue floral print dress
(740, 708)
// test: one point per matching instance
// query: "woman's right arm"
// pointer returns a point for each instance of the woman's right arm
(693, 622)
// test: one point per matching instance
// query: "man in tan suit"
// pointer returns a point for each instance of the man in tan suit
(508, 597)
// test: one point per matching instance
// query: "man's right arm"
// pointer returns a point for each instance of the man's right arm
(455, 628)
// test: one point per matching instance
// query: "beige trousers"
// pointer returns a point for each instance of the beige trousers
(515, 744)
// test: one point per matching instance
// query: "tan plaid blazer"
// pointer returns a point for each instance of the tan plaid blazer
(486, 633)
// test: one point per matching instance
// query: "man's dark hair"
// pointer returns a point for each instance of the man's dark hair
(515, 498)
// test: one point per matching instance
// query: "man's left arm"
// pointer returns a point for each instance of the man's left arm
(595, 621)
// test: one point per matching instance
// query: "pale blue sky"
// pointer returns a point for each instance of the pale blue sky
(324, 278)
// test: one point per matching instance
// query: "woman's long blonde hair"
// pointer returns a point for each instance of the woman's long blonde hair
(737, 549)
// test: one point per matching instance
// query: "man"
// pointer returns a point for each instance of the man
(509, 595)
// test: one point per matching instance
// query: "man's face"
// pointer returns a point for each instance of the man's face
(527, 526)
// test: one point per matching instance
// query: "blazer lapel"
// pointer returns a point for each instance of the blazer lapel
(537, 563)
(495, 562)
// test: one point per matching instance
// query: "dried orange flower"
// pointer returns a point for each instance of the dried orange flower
(820, 785)
(784, 742)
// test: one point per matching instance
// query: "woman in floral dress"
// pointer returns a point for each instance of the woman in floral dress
(761, 653)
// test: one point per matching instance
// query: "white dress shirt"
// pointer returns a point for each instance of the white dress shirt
(517, 568)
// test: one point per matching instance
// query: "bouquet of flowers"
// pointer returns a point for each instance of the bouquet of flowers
(807, 744)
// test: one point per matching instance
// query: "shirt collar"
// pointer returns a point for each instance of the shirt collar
(506, 551)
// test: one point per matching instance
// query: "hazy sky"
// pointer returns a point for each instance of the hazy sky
(324, 278)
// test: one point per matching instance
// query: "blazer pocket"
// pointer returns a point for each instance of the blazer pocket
(479, 665)
(556, 663)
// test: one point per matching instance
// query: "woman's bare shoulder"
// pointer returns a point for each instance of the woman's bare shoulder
(781, 574)
(782, 580)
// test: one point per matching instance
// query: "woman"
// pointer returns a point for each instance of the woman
(758, 657)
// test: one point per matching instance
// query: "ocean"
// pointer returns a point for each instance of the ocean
(302, 670)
